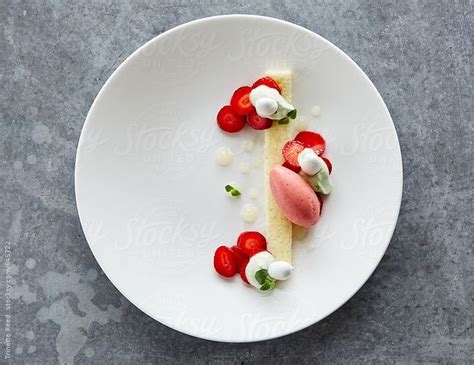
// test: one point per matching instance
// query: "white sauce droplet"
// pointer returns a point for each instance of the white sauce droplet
(257, 162)
(300, 124)
(224, 156)
(249, 213)
(253, 193)
(244, 167)
(316, 111)
(249, 145)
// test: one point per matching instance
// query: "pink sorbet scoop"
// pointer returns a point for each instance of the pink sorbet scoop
(295, 198)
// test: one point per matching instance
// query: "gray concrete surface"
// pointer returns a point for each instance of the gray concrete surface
(416, 308)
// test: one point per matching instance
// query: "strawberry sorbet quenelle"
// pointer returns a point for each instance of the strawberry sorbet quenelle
(296, 177)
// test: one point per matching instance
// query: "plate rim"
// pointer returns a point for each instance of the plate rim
(127, 60)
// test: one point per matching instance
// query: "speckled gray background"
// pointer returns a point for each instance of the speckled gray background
(416, 308)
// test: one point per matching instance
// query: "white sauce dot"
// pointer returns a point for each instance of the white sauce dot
(253, 193)
(31, 349)
(244, 167)
(249, 145)
(249, 213)
(316, 111)
(257, 162)
(300, 124)
(224, 156)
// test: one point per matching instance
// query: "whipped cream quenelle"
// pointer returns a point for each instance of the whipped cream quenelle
(280, 270)
(310, 162)
(315, 171)
(262, 271)
(269, 103)
(266, 106)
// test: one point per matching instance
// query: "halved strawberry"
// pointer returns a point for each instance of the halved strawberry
(240, 100)
(239, 256)
(328, 163)
(257, 122)
(290, 153)
(267, 81)
(312, 140)
(242, 271)
(288, 165)
(251, 242)
(229, 121)
(224, 262)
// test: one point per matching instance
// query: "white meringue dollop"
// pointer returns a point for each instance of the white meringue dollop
(280, 270)
(310, 162)
(260, 98)
(266, 106)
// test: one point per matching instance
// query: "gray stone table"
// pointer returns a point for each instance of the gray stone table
(60, 307)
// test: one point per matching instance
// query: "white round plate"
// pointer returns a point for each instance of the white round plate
(151, 197)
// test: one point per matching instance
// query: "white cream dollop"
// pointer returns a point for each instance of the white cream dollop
(224, 156)
(249, 213)
(280, 270)
(261, 260)
(266, 106)
(264, 92)
(310, 162)
(316, 111)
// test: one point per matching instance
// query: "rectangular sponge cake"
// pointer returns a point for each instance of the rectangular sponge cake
(279, 228)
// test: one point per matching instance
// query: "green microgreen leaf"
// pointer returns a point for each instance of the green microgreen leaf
(261, 276)
(285, 120)
(268, 285)
(292, 114)
(232, 191)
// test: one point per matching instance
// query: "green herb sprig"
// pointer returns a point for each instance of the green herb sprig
(234, 192)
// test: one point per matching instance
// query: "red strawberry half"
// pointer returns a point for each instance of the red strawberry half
(242, 271)
(229, 121)
(290, 153)
(328, 163)
(257, 122)
(240, 100)
(224, 262)
(267, 81)
(312, 140)
(251, 242)
(288, 165)
(239, 257)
